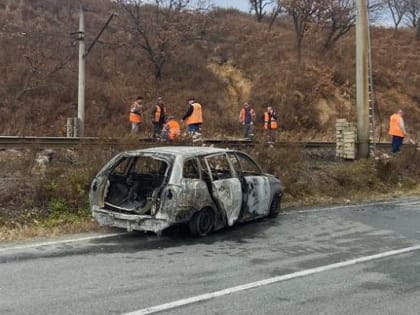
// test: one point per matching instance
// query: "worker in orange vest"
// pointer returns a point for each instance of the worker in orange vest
(136, 114)
(158, 117)
(247, 117)
(397, 130)
(270, 124)
(193, 117)
(171, 129)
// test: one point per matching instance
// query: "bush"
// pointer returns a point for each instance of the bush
(288, 164)
(62, 193)
(402, 169)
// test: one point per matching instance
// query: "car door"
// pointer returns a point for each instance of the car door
(195, 193)
(225, 186)
(257, 190)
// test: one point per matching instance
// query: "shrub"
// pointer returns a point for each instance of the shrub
(61, 194)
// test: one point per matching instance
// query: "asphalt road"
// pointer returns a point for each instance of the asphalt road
(337, 260)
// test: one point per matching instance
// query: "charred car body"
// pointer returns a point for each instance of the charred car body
(208, 188)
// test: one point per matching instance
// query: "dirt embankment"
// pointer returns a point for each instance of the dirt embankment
(238, 86)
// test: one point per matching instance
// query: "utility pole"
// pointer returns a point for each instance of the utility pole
(362, 71)
(82, 64)
(83, 53)
(418, 29)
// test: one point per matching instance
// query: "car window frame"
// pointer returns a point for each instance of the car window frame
(233, 173)
(127, 169)
(134, 164)
(260, 171)
(198, 166)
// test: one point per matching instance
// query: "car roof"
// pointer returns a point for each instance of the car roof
(184, 151)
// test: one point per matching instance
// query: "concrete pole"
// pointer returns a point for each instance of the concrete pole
(82, 62)
(418, 29)
(362, 70)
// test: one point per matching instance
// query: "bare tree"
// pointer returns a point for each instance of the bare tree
(39, 74)
(43, 52)
(262, 8)
(259, 7)
(398, 9)
(413, 12)
(156, 27)
(303, 14)
(275, 12)
(376, 10)
(339, 18)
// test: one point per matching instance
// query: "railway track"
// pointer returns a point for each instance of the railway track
(42, 142)
(15, 142)
(24, 142)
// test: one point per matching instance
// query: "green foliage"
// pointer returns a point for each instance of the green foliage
(61, 194)
(60, 213)
(63, 198)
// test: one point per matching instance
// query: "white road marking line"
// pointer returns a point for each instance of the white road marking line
(74, 240)
(409, 203)
(349, 206)
(252, 285)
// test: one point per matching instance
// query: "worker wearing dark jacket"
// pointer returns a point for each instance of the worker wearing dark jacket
(193, 118)
(270, 124)
(158, 117)
(247, 117)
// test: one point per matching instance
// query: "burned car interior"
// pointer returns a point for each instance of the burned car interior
(207, 188)
(133, 182)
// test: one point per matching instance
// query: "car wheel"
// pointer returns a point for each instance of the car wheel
(202, 222)
(275, 207)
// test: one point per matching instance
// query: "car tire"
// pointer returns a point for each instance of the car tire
(202, 222)
(275, 207)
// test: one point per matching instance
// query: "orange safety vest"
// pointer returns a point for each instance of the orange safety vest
(134, 117)
(242, 115)
(269, 120)
(395, 126)
(158, 113)
(174, 129)
(196, 116)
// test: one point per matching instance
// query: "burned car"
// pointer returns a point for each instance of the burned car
(207, 188)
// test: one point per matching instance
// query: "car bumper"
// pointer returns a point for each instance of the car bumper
(130, 222)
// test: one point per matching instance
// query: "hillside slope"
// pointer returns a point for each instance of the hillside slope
(223, 58)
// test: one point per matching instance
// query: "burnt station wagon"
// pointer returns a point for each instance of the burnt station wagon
(208, 188)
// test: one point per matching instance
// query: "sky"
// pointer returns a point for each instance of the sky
(236, 4)
(243, 5)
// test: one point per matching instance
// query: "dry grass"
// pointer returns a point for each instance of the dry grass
(256, 65)
(24, 232)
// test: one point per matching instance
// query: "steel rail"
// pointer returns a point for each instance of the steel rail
(23, 142)
(42, 142)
